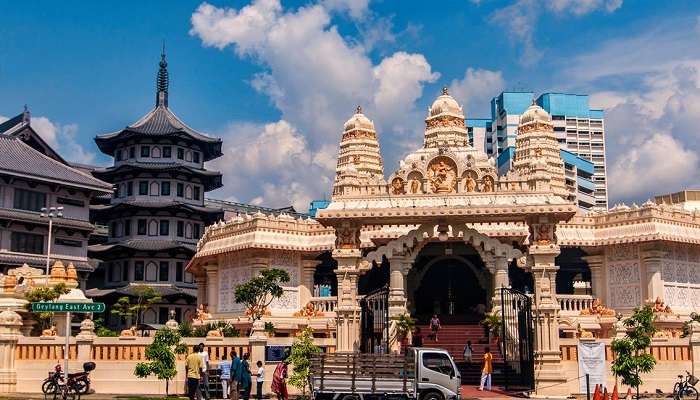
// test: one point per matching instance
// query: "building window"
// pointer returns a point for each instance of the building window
(143, 188)
(162, 315)
(167, 151)
(114, 229)
(195, 231)
(130, 188)
(180, 190)
(180, 153)
(132, 152)
(125, 271)
(119, 155)
(68, 242)
(153, 228)
(29, 200)
(151, 272)
(164, 271)
(70, 202)
(195, 192)
(189, 278)
(164, 227)
(195, 157)
(127, 227)
(114, 272)
(155, 188)
(180, 228)
(155, 152)
(165, 188)
(138, 271)
(178, 271)
(141, 227)
(145, 151)
(22, 242)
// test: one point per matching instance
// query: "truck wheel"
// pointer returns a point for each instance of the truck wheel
(350, 397)
(432, 396)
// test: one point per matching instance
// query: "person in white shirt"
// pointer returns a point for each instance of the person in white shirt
(204, 381)
(260, 380)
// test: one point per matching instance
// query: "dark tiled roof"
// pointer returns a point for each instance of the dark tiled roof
(154, 205)
(231, 208)
(160, 122)
(142, 245)
(35, 218)
(211, 179)
(19, 159)
(12, 123)
(39, 261)
(163, 290)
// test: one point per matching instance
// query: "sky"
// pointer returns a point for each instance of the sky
(277, 79)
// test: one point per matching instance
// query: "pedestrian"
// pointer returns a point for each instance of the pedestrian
(204, 385)
(260, 380)
(279, 382)
(417, 339)
(246, 381)
(236, 372)
(225, 375)
(435, 326)
(487, 370)
(193, 368)
(468, 351)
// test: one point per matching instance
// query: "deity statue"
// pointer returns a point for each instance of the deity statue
(597, 308)
(469, 183)
(415, 185)
(49, 332)
(488, 184)
(397, 186)
(442, 177)
(131, 332)
(202, 314)
(660, 307)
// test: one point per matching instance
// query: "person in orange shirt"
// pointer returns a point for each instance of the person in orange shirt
(487, 370)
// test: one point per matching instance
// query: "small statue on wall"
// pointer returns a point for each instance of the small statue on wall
(488, 184)
(660, 307)
(415, 185)
(397, 186)
(469, 183)
(131, 332)
(49, 332)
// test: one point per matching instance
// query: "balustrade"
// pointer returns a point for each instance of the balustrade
(574, 303)
(325, 304)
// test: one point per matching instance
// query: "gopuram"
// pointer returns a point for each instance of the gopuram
(444, 234)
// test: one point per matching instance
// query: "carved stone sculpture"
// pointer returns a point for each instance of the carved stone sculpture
(397, 186)
(488, 184)
(415, 185)
(49, 332)
(131, 332)
(469, 183)
(218, 332)
(442, 177)
(660, 307)
(597, 308)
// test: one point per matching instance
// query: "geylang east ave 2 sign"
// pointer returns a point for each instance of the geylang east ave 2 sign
(68, 307)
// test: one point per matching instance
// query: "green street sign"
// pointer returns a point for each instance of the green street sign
(68, 307)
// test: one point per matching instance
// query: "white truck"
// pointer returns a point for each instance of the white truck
(420, 374)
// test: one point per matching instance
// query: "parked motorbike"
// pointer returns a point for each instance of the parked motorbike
(78, 380)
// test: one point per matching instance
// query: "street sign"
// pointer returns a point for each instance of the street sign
(68, 307)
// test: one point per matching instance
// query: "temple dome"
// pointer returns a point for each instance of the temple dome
(445, 104)
(358, 121)
(535, 113)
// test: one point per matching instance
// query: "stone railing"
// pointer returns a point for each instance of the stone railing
(573, 304)
(324, 304)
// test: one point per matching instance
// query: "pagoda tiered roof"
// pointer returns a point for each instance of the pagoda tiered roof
(142, 245)
(210, 214)
(210, 179)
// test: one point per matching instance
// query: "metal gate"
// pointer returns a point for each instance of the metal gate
(374, 323)
(517, 338)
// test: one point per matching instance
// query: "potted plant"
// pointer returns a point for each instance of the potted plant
(270, 329)
(492, 323)
(404, 325)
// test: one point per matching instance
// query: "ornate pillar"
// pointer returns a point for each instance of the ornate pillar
(85, 339)
(548, 370)
(500, 280)
(306, 287)
(398, 267)
(655, 285)
(212, 288)
(201, 282)
(598, 286)
(348, 255)
(10, 323)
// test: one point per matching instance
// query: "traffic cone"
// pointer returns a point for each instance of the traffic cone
(605, 394)
(615, 394)
(629, 393)
(596, 392)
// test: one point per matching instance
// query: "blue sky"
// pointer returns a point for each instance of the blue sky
(277, 79)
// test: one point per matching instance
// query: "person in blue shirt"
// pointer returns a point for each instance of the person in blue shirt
(225, 375)
(236, 372)
(246, 379)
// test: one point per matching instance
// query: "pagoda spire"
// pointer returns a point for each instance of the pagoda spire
(162, 81)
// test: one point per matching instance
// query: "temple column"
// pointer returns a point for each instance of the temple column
(500, 280)
(348, 255)
(399, 268)
(212, 288)
(308, 268)
(549, 378)
(655, 285)
(598, 287)
(10, 323)
(201, 282)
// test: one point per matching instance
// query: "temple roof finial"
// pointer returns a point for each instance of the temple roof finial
(162, 81)
(358, 110)
(26, 115)
(444, 91)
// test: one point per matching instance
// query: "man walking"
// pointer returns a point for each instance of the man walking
(204, 385)
(487, 370)
(193, 369)
(236, 371)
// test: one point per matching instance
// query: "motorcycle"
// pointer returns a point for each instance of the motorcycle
(78, 380)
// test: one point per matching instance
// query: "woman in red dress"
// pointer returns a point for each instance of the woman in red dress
(279, 381)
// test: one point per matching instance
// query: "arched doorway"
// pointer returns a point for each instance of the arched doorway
(451, 280)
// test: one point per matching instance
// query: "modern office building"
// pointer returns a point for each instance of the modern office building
(579, 129)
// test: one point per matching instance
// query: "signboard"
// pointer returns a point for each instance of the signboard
(68, 307)
(276, 353)
(591, 361)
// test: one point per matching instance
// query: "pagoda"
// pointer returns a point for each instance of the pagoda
(157, 212)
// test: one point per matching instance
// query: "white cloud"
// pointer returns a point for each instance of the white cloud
(476, 89)
(583, 7)
(355, 8)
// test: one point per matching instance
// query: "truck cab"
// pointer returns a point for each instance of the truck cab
(436, 373)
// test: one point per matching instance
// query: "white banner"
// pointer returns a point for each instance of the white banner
(591, 361)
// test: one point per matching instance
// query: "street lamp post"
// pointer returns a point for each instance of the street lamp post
(50, 213)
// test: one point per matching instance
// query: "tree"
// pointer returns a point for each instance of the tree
(300, 358)
(403, 325)
(161, 356)
(44, 293)
(259, 292)
(631, 358)
(144, 297)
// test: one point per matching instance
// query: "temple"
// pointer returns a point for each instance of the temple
(444, 234)
(157, 212)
